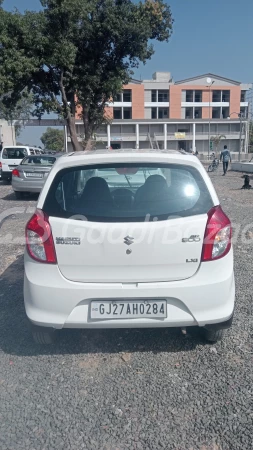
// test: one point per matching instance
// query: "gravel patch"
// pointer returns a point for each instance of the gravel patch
(126, 389)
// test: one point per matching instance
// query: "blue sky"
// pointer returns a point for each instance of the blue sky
(209, 36)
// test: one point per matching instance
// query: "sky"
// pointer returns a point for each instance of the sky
(213, 36)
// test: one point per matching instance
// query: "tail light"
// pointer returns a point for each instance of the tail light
(39, 239)
(218, 235)
(15, 173)
(0, 165)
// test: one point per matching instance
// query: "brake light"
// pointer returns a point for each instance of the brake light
(39, 239)
(218, 235)
(15, 173)
(0, 165)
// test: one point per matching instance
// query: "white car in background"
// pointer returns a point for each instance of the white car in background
(128, 239)
(11, 157)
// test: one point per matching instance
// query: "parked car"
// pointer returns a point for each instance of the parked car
(160, 257)
(31, 174)
(12, 156)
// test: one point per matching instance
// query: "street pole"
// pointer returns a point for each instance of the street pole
(210, 83)
(240, 115)
(65, 138)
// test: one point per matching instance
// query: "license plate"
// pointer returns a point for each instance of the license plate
(129, 309)
(34, 175)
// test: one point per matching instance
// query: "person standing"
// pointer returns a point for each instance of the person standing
(225, 156)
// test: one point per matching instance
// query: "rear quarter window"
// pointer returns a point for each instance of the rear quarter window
(14, 153)
(39, 160)
(128, 193)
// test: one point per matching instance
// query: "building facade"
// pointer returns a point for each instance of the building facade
(186, 114)
(7, 133)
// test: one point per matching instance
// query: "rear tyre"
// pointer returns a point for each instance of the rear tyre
(210, 168)
(213, 335)
(19, 195)
(43, 336)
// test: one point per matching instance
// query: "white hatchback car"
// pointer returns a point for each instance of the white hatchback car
(125, 239)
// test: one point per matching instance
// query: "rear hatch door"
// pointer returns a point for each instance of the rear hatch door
(154, 233)
(141, 252)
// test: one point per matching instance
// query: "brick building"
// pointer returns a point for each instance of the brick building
(182, 114)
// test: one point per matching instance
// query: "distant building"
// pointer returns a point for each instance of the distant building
(7, 133)
(182, 114)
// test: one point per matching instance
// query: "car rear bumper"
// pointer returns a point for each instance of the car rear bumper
(6, 175)
(21, 185)
(53, 301)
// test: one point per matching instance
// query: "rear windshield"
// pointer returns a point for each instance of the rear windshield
(14, 153)
(127, 192)
(39, 160)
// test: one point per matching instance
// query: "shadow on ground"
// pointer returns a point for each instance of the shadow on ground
(27, 196)
(15, 335)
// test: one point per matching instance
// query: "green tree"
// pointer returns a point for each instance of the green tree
(53, 139)
(17, 113)
(216, 140)
(78, 54)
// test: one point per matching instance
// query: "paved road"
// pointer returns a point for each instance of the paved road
(118, 390)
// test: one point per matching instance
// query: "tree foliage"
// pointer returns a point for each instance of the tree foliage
(17, 113)
(75, 55)
(53, 139)
(216, 140)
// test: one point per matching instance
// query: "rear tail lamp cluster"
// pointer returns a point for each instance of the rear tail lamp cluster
(39, 239)
(15, 173)
(218, 235)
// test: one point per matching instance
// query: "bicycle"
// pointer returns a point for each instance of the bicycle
(214, 165)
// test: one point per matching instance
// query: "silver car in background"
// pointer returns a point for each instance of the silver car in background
(31, 174)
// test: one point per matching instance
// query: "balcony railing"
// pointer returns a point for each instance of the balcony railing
(157, 133)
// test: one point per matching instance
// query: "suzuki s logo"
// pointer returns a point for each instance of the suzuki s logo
(128, 240)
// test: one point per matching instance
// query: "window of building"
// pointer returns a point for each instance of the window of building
(216, 113)
(154, 96)
(244, 111)
(117, 113)
(127, 95)
(116, 146)
(216, 96)
(163, 113)
(243, 96)
(189, 113)
(154, 113)
(198, 96)
(184, 129)
(118, 97)
(225, 113)
(225, 96)
(127, 113)
(198, 113)
(189, 96)
(163, 96)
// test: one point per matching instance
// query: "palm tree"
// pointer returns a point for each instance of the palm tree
(216, 140)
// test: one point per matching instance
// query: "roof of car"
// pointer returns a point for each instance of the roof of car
(125, 150)
(92, 157)
(48, 155)
(22, 146)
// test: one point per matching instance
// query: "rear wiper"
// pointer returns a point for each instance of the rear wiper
(129, 184)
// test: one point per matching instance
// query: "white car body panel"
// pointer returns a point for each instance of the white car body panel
(53, 301)
(158, 253)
